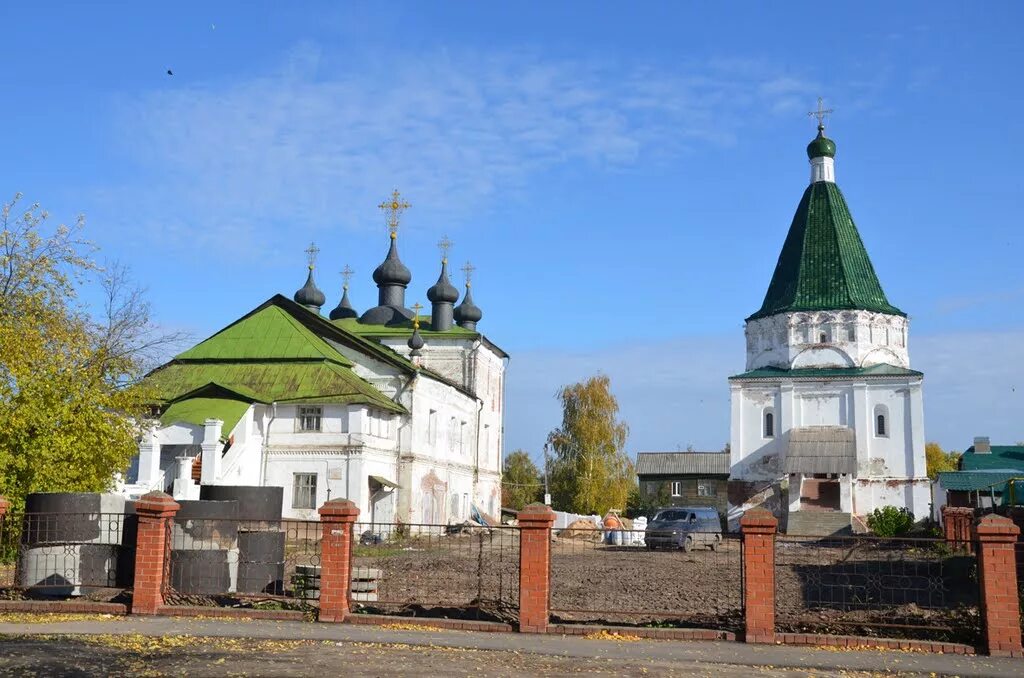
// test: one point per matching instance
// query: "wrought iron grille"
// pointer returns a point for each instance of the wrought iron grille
(642, 578)
(909, 588)
(453, 571)
(216, 561)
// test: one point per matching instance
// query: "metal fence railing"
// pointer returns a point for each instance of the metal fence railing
(60, 555)
(903, 588)
(647, 578)
(221, 561)
(457, 571)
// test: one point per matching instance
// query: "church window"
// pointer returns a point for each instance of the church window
(769, 423)
(823, 337)
(851, 333)
(677, 488)
(881, 422)
(432, 427)
(706, 488)
(304, 491)
(310, 417)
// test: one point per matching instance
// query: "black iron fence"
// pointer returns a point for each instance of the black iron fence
(453, 571)
(61, 555)
(898, 588)
(691, 579)
(244, 563)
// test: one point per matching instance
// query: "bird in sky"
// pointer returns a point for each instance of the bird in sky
(170, 72)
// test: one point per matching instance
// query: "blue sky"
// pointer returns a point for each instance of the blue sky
(622, 175)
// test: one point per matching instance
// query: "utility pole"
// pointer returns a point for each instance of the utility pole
(547, 494)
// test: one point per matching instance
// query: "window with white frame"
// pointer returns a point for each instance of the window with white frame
(432, 427)
(851, 332)
(310, 417)
(881, 421)
(677, 488)
(707, 488)
(769, 422)
(304, 491)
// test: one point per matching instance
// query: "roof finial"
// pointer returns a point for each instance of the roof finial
(820, 114)
(468, 270)
(416, 308)
(393, 209)
(311, 253)
(416, 342)
(444, 244)
(346, 275)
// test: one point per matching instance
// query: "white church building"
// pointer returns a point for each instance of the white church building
(828, 406)
(398, 412)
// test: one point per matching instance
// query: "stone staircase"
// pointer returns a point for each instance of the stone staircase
(818, 523)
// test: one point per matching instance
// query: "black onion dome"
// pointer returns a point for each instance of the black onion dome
(443, 290)
(309, 295)
(344, 308)
(392, 271)
(416, 340)
(467, 311)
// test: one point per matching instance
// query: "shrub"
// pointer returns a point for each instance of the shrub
(890, 521)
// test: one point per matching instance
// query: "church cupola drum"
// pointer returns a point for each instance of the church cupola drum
(828, 401)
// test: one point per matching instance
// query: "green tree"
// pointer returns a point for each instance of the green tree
(69, 401)
(938, 460)
(590, 471)
(521, 482)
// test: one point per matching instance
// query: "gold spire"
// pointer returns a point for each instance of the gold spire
(393, 209)
(444, 244)
(468, 270)
(416, 315)
(346, 275)
(820, 114)
(311, 253)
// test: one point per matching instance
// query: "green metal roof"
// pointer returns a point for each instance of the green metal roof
(823, 264)
(270, 333)
(1001, 457)
(974, 481)
(828, 372)
(198, 410)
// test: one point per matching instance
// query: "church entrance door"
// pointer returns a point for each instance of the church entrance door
(819, 493)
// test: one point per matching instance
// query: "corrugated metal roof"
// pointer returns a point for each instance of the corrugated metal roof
(1001, 457)
(881, 370)
(682, 463)
(821, 449)
(974, 481)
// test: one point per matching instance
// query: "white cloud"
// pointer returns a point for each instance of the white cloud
(317, 147)
(675, 393)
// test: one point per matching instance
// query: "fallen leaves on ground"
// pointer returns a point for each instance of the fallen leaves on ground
(51, 617)
(613, 636)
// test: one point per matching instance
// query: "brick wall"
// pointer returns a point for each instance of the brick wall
(759, 528)
(535, 521)
(997, 571)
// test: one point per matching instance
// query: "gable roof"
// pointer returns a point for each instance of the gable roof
(1004, 457)
(197, 410)
(823, 264)
(682, 463)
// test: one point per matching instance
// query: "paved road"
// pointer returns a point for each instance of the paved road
(207, 647)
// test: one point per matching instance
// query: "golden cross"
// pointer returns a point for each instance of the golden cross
(416, 315)
(393, 210)
(311, 253)
(468, 271)
(820, 113)
(444, 245)
(346, 275)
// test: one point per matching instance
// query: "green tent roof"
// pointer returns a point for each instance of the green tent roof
(198, 410)
(823, 264)
(828, 372)
(1001, 457)
(975, 481)
(268, 334)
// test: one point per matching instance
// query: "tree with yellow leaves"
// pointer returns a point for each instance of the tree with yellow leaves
(938, 460)
(590, 471)
(70, 404)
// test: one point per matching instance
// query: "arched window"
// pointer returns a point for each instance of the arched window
(769, 423)
(822, 337)
(881, 421)
(851, 332)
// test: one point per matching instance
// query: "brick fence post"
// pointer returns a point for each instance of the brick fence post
(152, 551)
(336, 517)
(759, 528)
(4, 505)
(997, 572)
(535, 521)
(956, 526)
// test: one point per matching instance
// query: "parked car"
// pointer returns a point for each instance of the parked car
(684, 527)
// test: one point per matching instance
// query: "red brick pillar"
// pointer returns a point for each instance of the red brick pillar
(152, 551)
(759, 528)
(997, 572)
(956, 526)
(336, 517)
(4, 505)
(535, 521)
